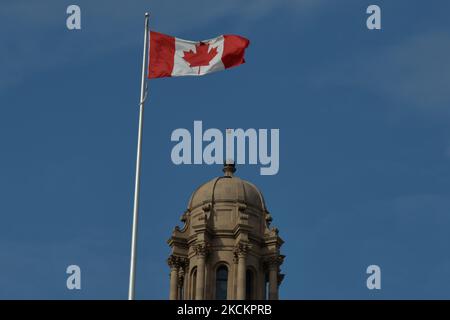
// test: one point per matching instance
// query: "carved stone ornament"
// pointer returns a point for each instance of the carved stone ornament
(274, 261)
(177, 262)
(201, 249)
(241, 250)
(184, 216)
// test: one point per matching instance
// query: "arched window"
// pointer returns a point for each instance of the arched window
(249, 283)
(193, 282)
(221, 283)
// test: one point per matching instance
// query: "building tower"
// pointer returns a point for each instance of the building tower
(226, 249)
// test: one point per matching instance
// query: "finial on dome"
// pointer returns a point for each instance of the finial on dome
(229, 168)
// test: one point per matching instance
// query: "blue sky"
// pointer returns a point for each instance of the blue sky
(364, 125)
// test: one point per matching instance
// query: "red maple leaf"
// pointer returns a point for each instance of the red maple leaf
(201, 57)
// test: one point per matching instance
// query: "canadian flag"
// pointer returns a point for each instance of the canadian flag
(172, 57)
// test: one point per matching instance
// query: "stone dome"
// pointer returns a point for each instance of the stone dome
(228, 188)
(226, 229)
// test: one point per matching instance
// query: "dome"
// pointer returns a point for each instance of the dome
(228, 188)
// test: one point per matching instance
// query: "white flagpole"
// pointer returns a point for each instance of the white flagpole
(138, 165)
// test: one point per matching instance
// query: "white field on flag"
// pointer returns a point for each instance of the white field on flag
(186, 63)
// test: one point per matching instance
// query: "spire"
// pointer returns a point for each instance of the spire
(229, 168)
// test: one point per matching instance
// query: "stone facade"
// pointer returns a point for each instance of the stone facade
(226, 248)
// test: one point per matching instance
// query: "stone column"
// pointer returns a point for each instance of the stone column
(273, 264)
(273, 282)
(241, 255)
(173, 264)
(183, 265)
(201, 252)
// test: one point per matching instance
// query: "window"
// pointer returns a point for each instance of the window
(249, 285)
(221, 283)
(193, 283)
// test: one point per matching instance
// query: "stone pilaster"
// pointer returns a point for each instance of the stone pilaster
(178, 267)
(172, 261)
(273, 265)
(201, 250)
(240, 253)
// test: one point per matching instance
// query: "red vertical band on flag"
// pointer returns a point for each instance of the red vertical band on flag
(162, 51)
(233, 50)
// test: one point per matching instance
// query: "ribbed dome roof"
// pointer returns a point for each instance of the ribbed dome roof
(228, 188)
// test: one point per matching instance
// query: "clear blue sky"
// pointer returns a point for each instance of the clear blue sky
(364, 125)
